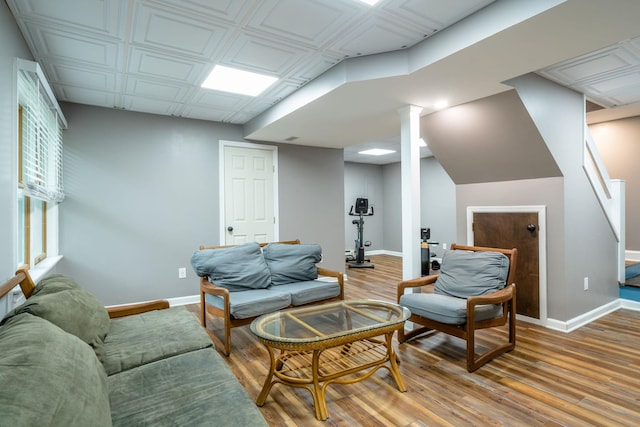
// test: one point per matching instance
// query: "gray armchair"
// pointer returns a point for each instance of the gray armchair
(474, 290)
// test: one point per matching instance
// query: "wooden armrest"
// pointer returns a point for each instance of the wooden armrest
(497, 297)
(210, 288)
(130, 309)
(331, 273)
(418, 282)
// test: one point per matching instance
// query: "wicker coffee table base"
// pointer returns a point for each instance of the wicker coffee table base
(315, 368)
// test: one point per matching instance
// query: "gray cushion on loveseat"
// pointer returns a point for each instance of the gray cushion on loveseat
(154, 335)
(236, 268)
(245, 304)
(49, 377)
(469, 273)
(197, 389)
(292, 263)
(310, 291)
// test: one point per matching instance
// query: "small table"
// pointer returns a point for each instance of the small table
(322, 344)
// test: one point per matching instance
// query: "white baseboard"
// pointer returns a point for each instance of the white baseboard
(588, 317)
(191, 299)
(384, 252)
(631, 305)
(632, 255)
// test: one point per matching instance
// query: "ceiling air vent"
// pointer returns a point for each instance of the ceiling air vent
(291, 138)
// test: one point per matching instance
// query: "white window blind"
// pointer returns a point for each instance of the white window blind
(42, 124)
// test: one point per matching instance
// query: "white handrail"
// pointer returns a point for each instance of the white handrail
(610, 194)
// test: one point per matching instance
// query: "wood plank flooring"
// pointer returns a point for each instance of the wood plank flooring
(588, 377)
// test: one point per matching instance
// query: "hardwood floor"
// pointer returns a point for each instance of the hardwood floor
(588, 377)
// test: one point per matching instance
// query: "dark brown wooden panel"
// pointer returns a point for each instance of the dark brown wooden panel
(510, 230)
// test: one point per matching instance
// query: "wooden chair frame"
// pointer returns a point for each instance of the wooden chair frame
(228, 322)
(466, 331)
(23, 278)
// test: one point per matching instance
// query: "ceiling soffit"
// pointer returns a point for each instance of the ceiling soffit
(489, 140)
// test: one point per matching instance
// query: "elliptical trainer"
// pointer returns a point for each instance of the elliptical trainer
(362, 210)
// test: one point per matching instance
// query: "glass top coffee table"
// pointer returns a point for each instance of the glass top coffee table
(329, 343)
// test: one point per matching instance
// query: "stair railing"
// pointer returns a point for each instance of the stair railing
(610, 194)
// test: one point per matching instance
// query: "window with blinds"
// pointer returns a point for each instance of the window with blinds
(40, 167)
(40, 189)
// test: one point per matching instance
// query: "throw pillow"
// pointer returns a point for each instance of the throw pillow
(237, 268)
(468, 273)
(292, 263)
(49, 377)
(74, 310)
(54, 283)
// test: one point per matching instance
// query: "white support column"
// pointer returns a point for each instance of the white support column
(410, 182)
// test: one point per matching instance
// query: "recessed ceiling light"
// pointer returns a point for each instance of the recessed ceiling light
(370, 2)
(441, 104)
(232, 80)
(376, 152)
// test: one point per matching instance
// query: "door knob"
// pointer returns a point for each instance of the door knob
(531, 227)
(229, 229)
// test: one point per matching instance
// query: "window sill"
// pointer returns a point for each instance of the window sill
(44, 267)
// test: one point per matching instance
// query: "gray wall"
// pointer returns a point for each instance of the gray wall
(619, 146)
(311, 194)
(589, 243)
(393, 206)
(382, 185)
(363, 180)
(142, 195)
(12, 46)
(437, 205)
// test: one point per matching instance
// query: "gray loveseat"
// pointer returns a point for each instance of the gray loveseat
(68, 361)
(239, 283)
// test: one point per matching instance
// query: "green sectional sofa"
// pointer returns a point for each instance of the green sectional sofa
(68, 361)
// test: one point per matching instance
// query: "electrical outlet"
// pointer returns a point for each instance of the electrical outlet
(586, 283)
(182, 273)
(444, 246)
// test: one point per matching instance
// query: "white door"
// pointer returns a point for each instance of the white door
(249, 194)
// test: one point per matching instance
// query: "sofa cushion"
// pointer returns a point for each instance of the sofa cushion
(237, 268)
(468, 273)
(292, 263)
(446, 309)
(55, 283)
(62, 302)
(135, 340)
(49, 377)
(246, 304)
(191, 389)
(310, 291)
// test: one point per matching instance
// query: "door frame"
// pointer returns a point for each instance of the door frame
(221, 175)
(542, 248)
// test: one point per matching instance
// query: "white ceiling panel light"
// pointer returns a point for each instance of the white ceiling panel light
(370, 2)
(232, 80)
(441, 104)
(376, 152)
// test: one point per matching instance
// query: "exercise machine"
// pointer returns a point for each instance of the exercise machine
(426, 262)
(362, 209)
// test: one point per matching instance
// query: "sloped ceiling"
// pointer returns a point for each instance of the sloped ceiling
(489, 140)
